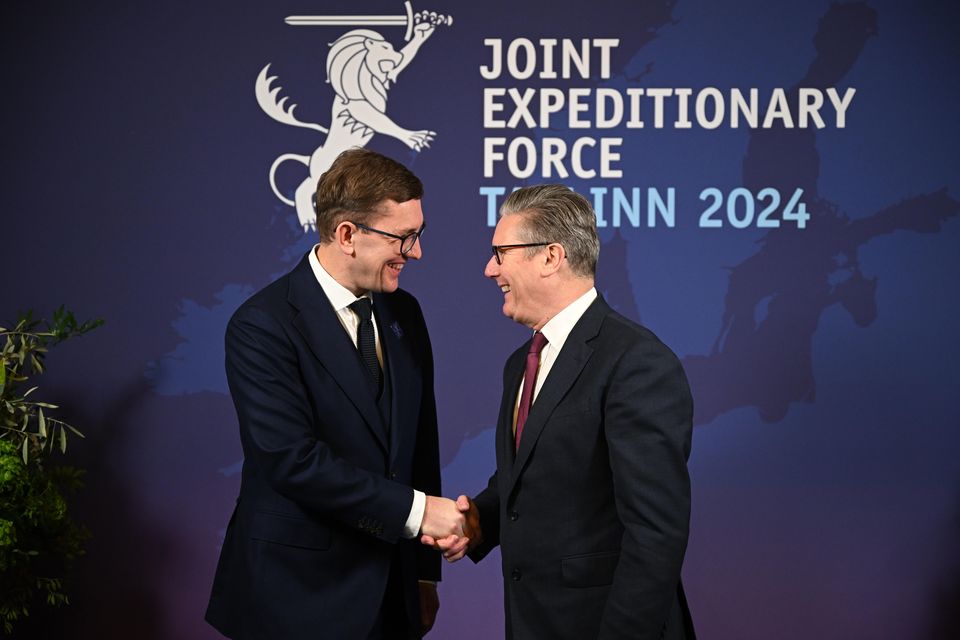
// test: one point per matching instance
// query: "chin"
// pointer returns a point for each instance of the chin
(512, 314)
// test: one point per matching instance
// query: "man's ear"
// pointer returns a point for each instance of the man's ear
(344, 236)
(552, 256)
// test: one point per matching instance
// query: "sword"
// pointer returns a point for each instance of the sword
(408, 20)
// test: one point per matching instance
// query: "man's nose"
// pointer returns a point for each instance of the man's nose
(416, 252)
(492, 270)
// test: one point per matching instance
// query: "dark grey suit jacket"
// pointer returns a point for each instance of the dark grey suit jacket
(592, 513)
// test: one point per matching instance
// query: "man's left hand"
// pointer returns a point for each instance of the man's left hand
(429, 605)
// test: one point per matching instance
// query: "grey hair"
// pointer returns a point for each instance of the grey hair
(555, 213)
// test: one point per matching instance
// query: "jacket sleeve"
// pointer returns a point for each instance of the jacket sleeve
(488, 500)
(426, 456)
(276, 428)
(488, 504)
(648, 420)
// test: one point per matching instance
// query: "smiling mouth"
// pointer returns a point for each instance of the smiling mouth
(397, 267)
(505, 288)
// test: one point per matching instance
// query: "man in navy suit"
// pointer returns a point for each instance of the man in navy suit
(331, 373)
(590, 502)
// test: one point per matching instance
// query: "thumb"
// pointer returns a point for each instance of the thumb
(463, 504)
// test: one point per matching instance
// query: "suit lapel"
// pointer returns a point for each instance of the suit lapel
(404, 376)
(566, 369)
(319, 325)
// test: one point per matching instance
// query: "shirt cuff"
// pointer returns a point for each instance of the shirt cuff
(412, 528)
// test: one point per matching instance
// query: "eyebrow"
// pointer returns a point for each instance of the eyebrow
(410, 230)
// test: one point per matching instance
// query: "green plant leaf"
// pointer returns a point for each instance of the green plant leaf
(43, 424)
(25, 448)
(63, 441)
(73, 429)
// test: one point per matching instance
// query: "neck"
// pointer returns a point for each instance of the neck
(334, 262)
(563, 297)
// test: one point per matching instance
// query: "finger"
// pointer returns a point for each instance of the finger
(457, 549)
(456, 556)
(447, 543)
(430, 541)
(463, 504)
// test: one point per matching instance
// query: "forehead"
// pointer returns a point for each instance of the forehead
(399, 216)
(508, 229)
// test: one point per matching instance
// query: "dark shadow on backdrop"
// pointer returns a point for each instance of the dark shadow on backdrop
(945, 624)
(112, 590)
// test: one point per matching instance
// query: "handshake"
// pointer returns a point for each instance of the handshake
(451, 527)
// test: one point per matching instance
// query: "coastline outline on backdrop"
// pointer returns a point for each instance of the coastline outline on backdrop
(361, 65)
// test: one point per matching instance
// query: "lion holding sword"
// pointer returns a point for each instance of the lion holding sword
(361, 65)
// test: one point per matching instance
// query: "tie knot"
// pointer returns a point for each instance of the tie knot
(539, 342)
(363, 308)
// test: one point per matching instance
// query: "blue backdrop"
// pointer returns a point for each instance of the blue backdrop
(823, 359)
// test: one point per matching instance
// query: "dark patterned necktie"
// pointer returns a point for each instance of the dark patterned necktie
(529, 382)
(366, 341)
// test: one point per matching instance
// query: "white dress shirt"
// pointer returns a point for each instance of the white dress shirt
(556, 331)
(340, 299)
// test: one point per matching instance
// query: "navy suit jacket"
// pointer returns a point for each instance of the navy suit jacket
(592, 513)
(326, 483)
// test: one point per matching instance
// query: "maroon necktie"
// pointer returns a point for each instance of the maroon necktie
(529, 382)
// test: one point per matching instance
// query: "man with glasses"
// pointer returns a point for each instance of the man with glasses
(331, 373)
(590, 502)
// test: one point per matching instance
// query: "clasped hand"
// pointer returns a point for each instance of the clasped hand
(453, 528)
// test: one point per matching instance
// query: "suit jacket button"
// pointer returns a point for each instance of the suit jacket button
(516, 575)
(513, 516)
(393, 475)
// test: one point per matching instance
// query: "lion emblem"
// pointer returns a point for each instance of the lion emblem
(361, 66)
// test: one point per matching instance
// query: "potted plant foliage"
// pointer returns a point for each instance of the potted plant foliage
(38, 537)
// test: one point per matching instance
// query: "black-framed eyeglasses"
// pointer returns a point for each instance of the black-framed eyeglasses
(407, 241)
(500, 249)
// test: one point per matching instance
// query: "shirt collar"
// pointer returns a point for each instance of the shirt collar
(559, 326)
(338, 295)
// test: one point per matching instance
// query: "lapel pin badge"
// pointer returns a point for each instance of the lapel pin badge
(397, 331)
